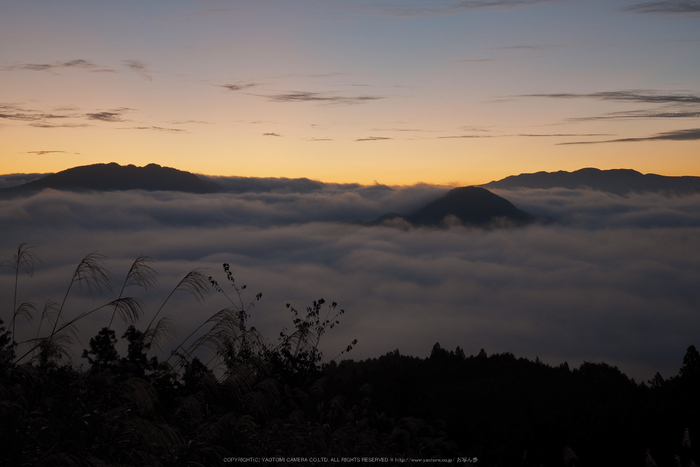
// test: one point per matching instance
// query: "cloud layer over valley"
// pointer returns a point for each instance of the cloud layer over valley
(613, 279)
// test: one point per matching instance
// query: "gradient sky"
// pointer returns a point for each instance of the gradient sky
(444, 92)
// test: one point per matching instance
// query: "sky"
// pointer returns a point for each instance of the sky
(399, 92)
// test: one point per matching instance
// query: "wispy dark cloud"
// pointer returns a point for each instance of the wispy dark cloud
(15, 112)
(464, 136)
(692, 134)
(271, 134)
(373, 138)
(480, 60)
(645, 114)
(237, 87)
(669, 105)
(139, 67)
(328, 98)
(58, 125)
(526, 47)
(496, 59)
(406, 130)
(156, 128)
(554, 135)
(188, 122)
(42, 119)
(642, 95)
(51, 67)
(447, 8)
(111, 116)
(41, 153)
(668, 7)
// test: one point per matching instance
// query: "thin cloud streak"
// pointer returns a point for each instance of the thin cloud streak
(13, 112)
(641, 95)
(51, 67)
(632, 114)
(42, 119)
(156, 128)
(455, 7)
(303, 96)
(41, 153)
(374, 138)
(62, 125)
(140, 68)
(666, 7)
(111, 117)
(555, 135)
(237, 87)
(692, 134)
(465, 136)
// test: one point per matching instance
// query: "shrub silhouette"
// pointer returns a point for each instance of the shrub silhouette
(250, 396)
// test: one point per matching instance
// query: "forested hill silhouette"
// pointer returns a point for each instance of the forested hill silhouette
(469, 205)
(618, 181)
(115, 177)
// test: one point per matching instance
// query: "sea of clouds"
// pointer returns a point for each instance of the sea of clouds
(611, 278)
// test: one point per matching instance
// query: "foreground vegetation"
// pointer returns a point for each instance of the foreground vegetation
(226, 392)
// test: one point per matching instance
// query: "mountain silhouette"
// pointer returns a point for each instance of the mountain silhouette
(469, 205)
(618, 181)
(114, 177)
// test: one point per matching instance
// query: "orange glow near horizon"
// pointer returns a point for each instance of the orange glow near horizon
(452, 96)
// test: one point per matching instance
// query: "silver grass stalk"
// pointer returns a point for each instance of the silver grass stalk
(92, 273)
(24, 261)
(194, 283)
(141, 274)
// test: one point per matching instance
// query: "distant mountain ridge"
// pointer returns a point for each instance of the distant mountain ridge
(115, 177)
(618, 181)
(469, 205)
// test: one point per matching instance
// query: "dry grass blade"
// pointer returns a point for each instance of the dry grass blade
(649, 461)
(48, 313)
(23, 260)
(194, 283)
(190, 408)
(306, 340)
(261, 402)
(147, 443)
(55, 347)
(92, 273)
(226, 329)
(240, 380)
(214, 318)
(50, 308)
(140, 393)
(141, 273)
(129, 309)
(25, 309)
(227, 335)
(570, 458)
(162, 329)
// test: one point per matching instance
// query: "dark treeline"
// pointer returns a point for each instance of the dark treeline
(513, 411)
(501, 410)
(261, 399)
